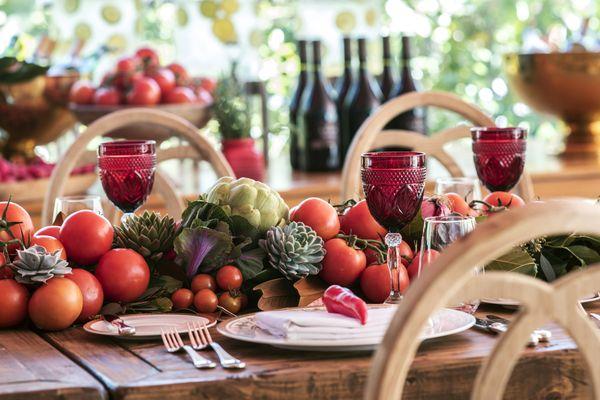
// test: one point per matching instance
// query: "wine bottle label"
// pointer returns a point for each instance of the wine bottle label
(326, 134)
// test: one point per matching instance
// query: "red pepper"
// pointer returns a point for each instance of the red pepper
(340, 300)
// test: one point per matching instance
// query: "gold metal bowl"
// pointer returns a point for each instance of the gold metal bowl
(566, 85)
(34, 112)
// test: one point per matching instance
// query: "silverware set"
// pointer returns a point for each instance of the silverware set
(495, 324)
(200, 339)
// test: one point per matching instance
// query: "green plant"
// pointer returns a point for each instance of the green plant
(231, 108)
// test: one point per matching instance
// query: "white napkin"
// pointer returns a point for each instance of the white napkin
(321, 325)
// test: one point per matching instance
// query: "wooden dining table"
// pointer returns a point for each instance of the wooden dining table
(74, 364)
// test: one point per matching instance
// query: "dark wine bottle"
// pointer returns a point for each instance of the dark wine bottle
(318, 132)
(295, 103)
(361, 101)
(415, 119)
(344, 82)
(387, 82)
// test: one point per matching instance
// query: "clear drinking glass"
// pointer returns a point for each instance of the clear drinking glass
(393, 183)
(439, 233)
(126, 169)
(67, 205)
(467, 188)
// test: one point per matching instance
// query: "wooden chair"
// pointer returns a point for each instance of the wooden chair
(199, 149)
(371, 136)
(449, 279)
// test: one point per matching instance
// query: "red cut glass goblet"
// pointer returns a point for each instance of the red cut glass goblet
(393, 183)
(499, 155)
(126, 170)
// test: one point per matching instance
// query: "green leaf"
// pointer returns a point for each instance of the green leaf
(585, 254)
(549, 269)
(13, 71)
(251, 262)
(517, 260)
(413, 232)
(200, 210)
(242, 228)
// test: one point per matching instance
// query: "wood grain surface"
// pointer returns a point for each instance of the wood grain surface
(443, 369)
(30, 368)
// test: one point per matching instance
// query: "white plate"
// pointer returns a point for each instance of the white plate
(148, 326)
(514, 303)
(444, 322)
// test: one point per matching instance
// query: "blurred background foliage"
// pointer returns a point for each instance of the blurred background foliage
(458, 44)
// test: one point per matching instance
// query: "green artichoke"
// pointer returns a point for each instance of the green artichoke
(294, 250)
(262, 206)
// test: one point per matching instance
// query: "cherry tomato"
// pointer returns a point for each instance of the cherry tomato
(459, 205)
(87, 236)
(182, 298)
(148, 56)
(244, 300)
(231, 303)
(50, 230)
(181, 75)
(82, 92)
(503, 199)
(319, 215)
(208, 84)
(180, 95)
(359, 221)
(124, 275)
(203, 281)
(203, 96)
(51, 244)
(91, 290)
(107, 96)
(229, 278)
(342, 264)
(15, 213)
(145, 92)
(205, 301)
(165, 78)
(13, 303)
(415, 265)
(128, 65)
(56, 305)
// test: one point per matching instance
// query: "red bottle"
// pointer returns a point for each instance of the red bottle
(245, 160)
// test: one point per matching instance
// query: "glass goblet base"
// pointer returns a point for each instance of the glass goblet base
(394, 260)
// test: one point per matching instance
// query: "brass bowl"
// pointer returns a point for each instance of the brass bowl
(566, 85)
(34, 112)
(197, 114)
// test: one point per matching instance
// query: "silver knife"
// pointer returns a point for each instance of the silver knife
(543, 335)
(490, 326)
(122, 328)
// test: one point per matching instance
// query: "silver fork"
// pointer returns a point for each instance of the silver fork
(200, 338)
(173, 343)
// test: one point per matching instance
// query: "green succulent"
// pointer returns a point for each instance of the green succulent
(260, 205)
(36, 265)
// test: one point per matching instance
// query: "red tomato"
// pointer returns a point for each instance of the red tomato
(56, 305)
(229, 278)
(208, 84)
(459, 205)
(50, 230)
(82, 92)
(5, 271)
(13, 303)
(182, 298)
(180, 95)
(231, 303)
(319, 215)
(87, 236)
(123, 274)
(91, 290)
(205, 301)
(359, 221)
(342, 264)
(293, 212)
(406, 255)
(203, 96)
(145, 92)
(128, 65)
(376, 283)
(415, 265)
(165, 78)
(51, 244)
(181, 75)
(107, 96)
(203, 281)
(503, 199)
(148, 56)
(15, 213)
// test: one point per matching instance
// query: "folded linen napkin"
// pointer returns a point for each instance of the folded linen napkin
(321, 325)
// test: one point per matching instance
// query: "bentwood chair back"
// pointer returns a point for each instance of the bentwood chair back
(371, 135)
(449, 279)
(198, 148)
